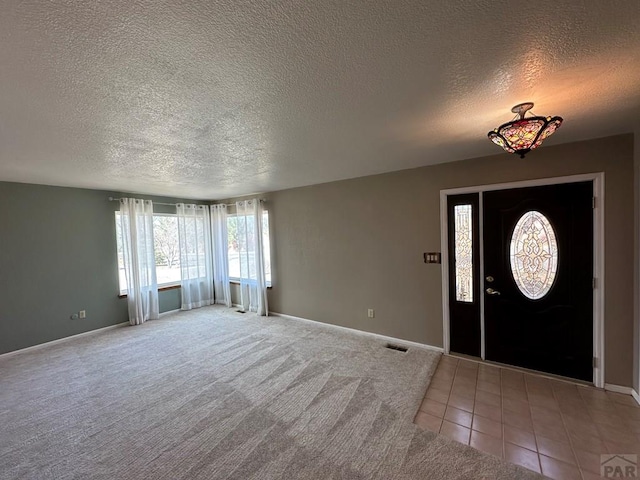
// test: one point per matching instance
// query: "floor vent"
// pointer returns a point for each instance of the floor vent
(396, 347)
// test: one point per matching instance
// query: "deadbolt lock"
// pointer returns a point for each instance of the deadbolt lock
(489, 279)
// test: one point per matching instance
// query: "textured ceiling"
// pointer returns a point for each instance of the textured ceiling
(211, 99)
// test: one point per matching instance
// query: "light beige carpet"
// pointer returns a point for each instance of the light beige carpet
(214, 394)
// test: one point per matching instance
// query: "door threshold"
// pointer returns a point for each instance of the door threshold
(549, 376)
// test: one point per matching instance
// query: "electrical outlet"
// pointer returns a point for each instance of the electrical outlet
(371, 313)
(83, 314)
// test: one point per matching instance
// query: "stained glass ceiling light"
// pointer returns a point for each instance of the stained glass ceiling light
(522, 135)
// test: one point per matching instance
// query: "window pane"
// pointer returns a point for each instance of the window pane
(194, 239)
(534, 255)
(266, 245)
(464, 252)
(167, 250)
(239, 228)
(246, 233)
(122, 278)
(234, 258)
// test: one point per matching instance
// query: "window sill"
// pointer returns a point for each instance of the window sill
(160, 289)
(237, 282)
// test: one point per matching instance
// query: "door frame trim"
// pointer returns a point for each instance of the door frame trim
(598, 258)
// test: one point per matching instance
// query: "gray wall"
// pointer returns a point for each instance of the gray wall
(342, 247)
(337, 249)
(58, 256)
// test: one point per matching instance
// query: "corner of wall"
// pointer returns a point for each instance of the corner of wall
(636, 259)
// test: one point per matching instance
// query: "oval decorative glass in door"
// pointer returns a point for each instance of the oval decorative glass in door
(534, 255)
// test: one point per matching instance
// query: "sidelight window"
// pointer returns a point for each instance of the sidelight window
(463, 252)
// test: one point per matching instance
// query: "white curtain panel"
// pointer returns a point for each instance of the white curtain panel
(253, 284)
(220, 242)
(136, 223)
(194, 238)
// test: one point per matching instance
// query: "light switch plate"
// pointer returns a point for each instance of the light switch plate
(432, 257)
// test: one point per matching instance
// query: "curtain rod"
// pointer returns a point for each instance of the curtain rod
(113, 199)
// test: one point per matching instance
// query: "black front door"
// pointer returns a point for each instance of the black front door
(538, 274)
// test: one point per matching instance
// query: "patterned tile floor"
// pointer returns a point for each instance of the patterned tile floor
(553, 427)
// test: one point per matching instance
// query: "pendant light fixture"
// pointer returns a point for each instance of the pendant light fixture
(524, 134)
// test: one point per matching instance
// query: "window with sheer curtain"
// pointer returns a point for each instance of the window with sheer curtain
(234, 246)
(252, 254)
(166, 251)
(202, 248)
(194, 239)
(136, 232)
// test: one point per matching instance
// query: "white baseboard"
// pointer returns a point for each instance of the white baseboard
(397, 341)
(61, 340)
(635, 396)
(618, 389)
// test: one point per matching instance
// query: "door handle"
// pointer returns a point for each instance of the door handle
(491, 291)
